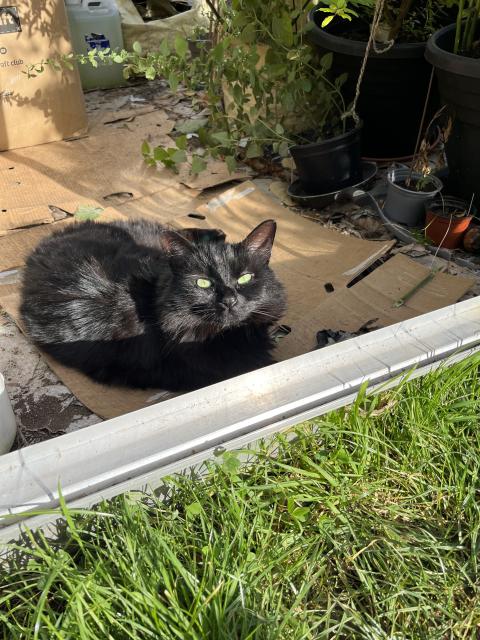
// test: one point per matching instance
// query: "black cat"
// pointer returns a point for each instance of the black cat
(137, 304)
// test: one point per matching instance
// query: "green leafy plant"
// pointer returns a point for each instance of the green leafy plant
(255, 74)
(468, 19)
(408, 20)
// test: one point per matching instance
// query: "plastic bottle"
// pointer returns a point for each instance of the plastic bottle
(96, 24)
(8, 427)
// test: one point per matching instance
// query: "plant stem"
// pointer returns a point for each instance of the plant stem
(471, 26)
(402, 14)
(213, 8)
(458, 30)
(420, 130)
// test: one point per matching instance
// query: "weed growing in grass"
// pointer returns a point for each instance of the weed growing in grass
(365, 526)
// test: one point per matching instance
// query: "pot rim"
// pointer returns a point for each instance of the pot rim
(446, 218)
(427, 194)
(449, 61)
(451, 202)
(339, 44)
(311, 145)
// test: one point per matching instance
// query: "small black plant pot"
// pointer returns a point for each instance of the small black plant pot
(329, 165)
(459, 84)
(393, 89)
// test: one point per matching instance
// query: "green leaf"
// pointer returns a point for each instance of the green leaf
(181, 142)
(217, 52)
(164, 48)
(249, 34)
(198, 165)
(272, 56)
(283, 30)
(137, 47)
(237, 93)
(284, 149)
(230, 464)
(254, 150)
(222, 138)
(326, 21)
(306, 84)
(193, 509)
(160, 154)
(87, 212)
(191, 126)
(173, 82)
(146, 149)
(300, 513)
(118, 59)
(231, 163)
(341, 79)
(150, 73)
(181, 46)
(179, 156)
(327, 60)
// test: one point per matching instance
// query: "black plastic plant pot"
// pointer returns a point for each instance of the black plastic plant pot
(393, 89)
(330, 165)
(459, 84)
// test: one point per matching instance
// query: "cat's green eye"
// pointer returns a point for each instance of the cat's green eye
(245, 279)
(203, 283)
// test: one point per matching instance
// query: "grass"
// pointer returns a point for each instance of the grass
(366, 526)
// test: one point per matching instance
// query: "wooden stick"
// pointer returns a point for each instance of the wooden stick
(401, 301)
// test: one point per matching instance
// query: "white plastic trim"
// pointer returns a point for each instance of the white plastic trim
(138, 449)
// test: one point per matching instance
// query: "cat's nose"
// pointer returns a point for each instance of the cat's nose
(228, 301)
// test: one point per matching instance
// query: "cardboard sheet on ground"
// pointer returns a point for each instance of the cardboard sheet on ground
(306, 257)
(371, 301)
(106, 167)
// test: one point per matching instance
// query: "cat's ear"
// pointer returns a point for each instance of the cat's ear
(259, 241)
(197, 235)
(175, 243)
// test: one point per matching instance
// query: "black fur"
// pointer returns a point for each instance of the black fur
(120, 302)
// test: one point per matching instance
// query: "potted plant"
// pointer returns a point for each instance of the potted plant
(447, 221)
(407, 194)
(454, 51)
(396, 80)
(262, 92)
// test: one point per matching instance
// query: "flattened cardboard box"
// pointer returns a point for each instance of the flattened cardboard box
(50, 106)
(306, 258)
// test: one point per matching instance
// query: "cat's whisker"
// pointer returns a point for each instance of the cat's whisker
(263, 313)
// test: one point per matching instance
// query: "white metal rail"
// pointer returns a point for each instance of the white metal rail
(138, 449)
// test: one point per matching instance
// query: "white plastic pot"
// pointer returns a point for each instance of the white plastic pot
(8, 426)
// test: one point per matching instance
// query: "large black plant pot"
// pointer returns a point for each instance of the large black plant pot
(459, 84)
(329, 165)
(393, 90)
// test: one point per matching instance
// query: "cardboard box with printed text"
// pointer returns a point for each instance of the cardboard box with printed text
(51, 105)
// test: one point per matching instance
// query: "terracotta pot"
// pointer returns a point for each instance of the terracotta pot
(442, 227)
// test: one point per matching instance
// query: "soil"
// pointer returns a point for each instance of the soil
(414, 186)
(446, 213)
(359, 28)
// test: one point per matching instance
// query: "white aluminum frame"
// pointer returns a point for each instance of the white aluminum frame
(137, 450)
